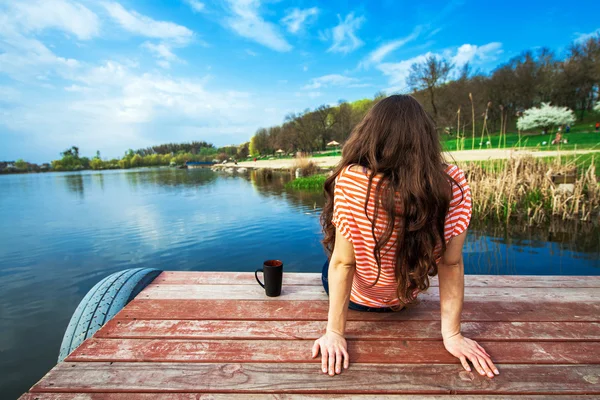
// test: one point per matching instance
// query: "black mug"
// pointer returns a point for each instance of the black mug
(273, 274)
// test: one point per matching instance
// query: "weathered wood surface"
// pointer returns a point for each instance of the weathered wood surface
(306, 292)
(196, 335)
(306, 378)
(364, 330)
(278, 396)
(316, 310)
(382, 352)
(314, 279)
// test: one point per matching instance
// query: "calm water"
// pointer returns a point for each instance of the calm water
(60, 233)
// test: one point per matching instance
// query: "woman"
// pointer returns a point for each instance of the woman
(395, 215)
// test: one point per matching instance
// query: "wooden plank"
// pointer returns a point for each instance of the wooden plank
(551, 311)
(365, 330)
(314, 279)
(232, 278)
(276, 351)
(265, 396)
(222, 292)
(304, 378)
(304, 292)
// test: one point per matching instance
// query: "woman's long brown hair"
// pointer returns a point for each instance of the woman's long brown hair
(398, 141)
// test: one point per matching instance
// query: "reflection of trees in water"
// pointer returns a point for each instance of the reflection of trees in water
(99, 178)
(74, 183)
(273, 185)
(171, 177)
(574, 236)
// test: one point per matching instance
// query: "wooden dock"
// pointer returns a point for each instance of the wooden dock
(208, 335)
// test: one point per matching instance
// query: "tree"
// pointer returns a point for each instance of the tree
(96, 163)
(545, 117)
(136, 161)
(72, 152)
(429, 75)
(597, 107)
(22, 165)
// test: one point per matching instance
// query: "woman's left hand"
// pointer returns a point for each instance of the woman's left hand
(464, 348)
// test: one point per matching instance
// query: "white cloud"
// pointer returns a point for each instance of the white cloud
(296, 18)
(470, 53)
(584, 37)
(146, 26)
(161, 50)
(195, 5)
(246, 21)
(251, 53)
(23, 58)
(64, 15)
(344, 34)
(113, 106)
(398, 72)
(333, 80)
(377, 55)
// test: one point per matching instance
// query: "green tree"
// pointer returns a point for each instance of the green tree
(136, 161)
(96, 163)
(21, 165)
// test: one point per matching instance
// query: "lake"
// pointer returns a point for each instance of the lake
(61, 233)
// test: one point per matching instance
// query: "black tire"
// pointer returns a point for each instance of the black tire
(102, 303)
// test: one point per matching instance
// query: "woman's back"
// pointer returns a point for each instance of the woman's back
(358, 226)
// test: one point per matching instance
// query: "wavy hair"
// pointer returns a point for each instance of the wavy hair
(398, 141)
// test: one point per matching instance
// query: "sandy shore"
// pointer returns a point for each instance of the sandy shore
(466, 155)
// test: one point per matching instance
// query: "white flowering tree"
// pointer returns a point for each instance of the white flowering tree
(545, 117)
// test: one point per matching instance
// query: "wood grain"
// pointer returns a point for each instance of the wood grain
(316, 310)
(215, 335)
(312, 278)
(265, 396)
(277, 351)
(365, 330)
(305, 378)
(304, 292)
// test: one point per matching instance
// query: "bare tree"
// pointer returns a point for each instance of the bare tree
(429, 75)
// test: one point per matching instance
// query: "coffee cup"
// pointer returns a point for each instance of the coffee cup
(273, 275)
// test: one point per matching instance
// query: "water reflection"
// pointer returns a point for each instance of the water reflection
(273, 185)
(74, 183)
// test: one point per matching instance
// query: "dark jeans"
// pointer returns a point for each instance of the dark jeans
(352, 305)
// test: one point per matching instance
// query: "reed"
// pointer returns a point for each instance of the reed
(522, 189)
(472, 121)
(307, 167)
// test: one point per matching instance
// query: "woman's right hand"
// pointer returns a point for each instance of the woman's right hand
(334, 353)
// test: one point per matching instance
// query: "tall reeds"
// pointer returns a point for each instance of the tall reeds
(523, 189)
(472, 121)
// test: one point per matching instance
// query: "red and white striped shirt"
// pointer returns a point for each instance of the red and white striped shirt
(355, 225)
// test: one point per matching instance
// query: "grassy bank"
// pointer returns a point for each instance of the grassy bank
(314, 182)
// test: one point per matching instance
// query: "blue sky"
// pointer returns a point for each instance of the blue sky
(112, 75)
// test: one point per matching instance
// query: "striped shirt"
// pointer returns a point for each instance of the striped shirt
(354, 224)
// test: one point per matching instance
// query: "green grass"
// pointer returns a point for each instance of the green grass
(577, 139)
(314, 182)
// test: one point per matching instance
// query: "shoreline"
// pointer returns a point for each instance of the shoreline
(451, 157)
